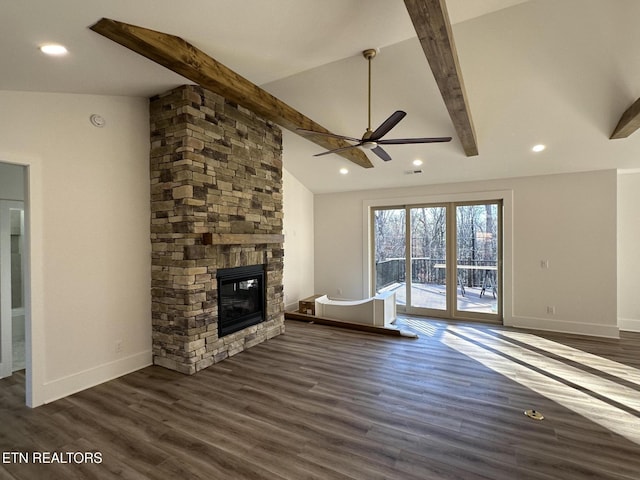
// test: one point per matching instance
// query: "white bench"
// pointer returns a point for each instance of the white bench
(379, 311)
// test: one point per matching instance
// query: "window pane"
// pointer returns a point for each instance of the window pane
(390, 252)
(477, 257)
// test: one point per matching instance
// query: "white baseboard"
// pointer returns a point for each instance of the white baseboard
(561, 326)
(292, 307)
(63, 387)
(629, 324)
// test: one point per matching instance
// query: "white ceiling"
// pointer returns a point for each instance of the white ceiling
(559, 72)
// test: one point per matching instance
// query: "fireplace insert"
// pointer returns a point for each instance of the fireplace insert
(241, 298)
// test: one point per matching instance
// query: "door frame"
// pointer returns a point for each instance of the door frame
(33, 278)
(506, 196)
(452, 273)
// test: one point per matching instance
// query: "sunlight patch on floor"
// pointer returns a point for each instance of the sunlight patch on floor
(428, 328)
(524, 369)
(603, 387)
(615, 369)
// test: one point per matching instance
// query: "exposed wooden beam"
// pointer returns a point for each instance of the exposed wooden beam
(431, 21)
(629, 122)
(183, 58)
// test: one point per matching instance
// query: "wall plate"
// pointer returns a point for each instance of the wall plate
(97, 120)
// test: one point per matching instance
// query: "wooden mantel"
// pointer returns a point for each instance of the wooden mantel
(241, 238)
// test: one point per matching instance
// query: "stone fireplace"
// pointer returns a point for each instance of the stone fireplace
(216, 208)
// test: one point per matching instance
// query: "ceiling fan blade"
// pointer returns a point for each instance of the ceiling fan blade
(332, 135)
(381, 153)
(337, 150)
(387, 125)
(401, 141)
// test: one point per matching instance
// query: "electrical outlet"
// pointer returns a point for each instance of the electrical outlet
(551, 310)
(544, 263)
(118, 346)
(339, 291)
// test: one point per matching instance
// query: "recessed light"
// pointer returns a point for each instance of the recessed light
(417, 162)
(344, 171)
(538, 148)
(53, 49)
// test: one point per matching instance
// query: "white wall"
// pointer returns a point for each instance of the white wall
(567, 219)
(298, 241)
(628, 251)
(88, 230)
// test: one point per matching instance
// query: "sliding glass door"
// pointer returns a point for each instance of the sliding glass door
(442, 260)
(427, 284)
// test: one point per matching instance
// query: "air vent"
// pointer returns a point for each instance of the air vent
(413, 172)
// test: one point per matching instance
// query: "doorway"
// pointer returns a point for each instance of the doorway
(442, 260)
(13, 331)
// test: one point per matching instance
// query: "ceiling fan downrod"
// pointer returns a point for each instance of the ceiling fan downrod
(369, 54)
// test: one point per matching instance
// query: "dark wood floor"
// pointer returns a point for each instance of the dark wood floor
(326, 403)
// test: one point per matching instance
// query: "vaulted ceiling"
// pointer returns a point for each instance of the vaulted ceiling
(557, 72)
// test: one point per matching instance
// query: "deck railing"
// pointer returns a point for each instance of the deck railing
(424, 270)
(390, 271)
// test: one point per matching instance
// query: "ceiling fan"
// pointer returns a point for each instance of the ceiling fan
(372, 139)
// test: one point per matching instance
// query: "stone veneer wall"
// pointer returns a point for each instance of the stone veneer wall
(215, 168)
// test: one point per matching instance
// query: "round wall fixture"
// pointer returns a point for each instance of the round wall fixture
(97, 120)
